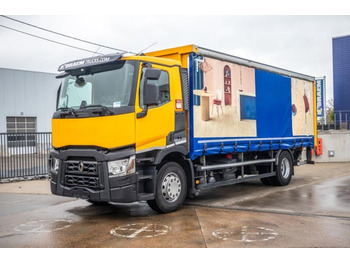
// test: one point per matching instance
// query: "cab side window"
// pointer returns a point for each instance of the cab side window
(164, 89)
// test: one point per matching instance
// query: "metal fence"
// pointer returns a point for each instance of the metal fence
(24, 154)
(341, 122)
(332, 126)
(342, 118)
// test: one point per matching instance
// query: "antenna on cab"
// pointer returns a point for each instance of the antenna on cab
(140, 53)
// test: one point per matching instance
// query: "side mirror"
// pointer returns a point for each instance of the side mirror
(152, 74)
(151, 94)
(150, 90)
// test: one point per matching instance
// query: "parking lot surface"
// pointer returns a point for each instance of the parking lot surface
(313, 211)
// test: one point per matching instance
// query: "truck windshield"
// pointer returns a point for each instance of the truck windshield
(108, 88)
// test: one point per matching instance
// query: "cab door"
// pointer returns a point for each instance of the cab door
(153, 129)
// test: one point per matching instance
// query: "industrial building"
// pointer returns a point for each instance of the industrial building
(27, 100)
(341, 80)
(27, 103)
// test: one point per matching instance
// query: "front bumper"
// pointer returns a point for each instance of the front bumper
(92, 182)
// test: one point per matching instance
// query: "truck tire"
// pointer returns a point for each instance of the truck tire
(284, 170)
(262, 170)
(266, 181)
(171, 187)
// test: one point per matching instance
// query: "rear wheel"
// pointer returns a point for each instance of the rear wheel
(266, 181)
(171, 187)
(262, 170)
(284, 170)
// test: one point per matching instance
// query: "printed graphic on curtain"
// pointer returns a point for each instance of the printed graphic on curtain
(302, 101)
(227, 100)
(227, 85)
(200, 68)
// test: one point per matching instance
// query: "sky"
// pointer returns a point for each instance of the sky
(299, 43)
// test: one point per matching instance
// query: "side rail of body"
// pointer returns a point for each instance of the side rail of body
(176, 177)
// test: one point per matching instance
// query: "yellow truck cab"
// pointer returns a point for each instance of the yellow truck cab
(132, 128)
(107, 128)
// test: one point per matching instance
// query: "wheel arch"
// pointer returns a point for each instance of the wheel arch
(284, 150)
(179, 155)
(176, 151)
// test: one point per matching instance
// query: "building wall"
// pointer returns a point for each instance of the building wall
(341, 75)
(27, 93)
(336, 141)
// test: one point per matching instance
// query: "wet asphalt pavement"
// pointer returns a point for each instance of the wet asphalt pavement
(313, 211)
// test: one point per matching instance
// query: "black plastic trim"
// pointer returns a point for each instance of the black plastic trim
(180, 121)
(143, 61)
(117, 189)
(58, 94)
(97, 155)
(93, 112)
(143, 113)
(185, 88)
(174, 149)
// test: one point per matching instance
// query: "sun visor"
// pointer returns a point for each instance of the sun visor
(62, 75)
(89, 62)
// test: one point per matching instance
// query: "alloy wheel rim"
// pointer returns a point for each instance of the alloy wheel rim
(285, 168)
(171, 187)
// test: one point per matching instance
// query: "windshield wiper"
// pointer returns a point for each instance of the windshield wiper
(70, 111)
(104, 109)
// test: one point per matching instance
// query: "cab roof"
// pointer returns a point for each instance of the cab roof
(85, 63)
(153, 60)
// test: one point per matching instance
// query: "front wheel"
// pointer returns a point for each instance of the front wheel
(171, 187)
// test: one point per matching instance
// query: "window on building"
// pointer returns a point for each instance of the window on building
(21, 131)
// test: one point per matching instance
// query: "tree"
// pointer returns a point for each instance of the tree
(330, 111)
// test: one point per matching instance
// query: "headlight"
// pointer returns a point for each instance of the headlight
(121, 167)
(55, 164)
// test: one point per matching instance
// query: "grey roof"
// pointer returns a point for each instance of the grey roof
(246, 62)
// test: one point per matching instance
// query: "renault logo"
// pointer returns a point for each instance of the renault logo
(81, 167)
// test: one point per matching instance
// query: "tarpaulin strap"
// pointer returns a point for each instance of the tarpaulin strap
(249, 145)
(279, 147)
(260, 145)
(221, 147)
(302, 142)
(294, 143)
(205, 148)
(271, 145)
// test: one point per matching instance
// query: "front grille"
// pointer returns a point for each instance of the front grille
(82, 181)
(81, 167)
(82, 174)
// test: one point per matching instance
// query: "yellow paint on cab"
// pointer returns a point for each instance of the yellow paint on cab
(153, 129)
(107, 131)
(146, 133)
